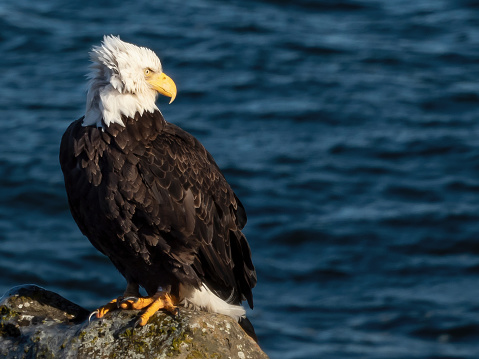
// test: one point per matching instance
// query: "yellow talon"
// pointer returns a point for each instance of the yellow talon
(140, 303)
(100, 312)
(160, 300)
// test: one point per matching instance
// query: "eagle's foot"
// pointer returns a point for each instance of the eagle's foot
(159, 300)
(100, 312)
(126, 301)
(136, 302)
(114, 304)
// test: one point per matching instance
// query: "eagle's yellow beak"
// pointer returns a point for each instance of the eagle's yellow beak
(163, 84)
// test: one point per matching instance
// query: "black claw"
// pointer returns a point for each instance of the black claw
(137, 322)
(91, 315)
(131, 329)
(118, 301)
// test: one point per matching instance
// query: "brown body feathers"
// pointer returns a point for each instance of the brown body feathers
(152, 199)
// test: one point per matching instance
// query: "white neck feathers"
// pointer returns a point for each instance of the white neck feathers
(108, 104)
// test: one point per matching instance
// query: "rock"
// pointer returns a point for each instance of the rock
(37, 323)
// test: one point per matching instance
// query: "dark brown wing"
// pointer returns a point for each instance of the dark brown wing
(80, 152)
(206, 215)
(150, 197)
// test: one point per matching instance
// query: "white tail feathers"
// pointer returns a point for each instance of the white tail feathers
(205, 299)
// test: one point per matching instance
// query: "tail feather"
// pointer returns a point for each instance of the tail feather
(248, 328)
(205, 299)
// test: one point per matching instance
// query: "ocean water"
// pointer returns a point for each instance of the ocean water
(349, 129)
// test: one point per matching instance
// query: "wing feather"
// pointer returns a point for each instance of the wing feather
(207, 212)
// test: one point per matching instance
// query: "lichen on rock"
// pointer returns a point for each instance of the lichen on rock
(35, 322)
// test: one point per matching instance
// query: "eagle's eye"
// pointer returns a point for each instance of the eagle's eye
(147, 72)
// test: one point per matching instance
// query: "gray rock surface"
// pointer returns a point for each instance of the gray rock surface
(37, 323)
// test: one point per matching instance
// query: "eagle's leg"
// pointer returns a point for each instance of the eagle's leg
(160, 300)
(132, 290)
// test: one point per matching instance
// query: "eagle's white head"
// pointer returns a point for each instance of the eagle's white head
(125, 79)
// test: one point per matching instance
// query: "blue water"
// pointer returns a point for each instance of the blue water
(348, 128)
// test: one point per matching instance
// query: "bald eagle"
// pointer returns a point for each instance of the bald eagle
(150, 197)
